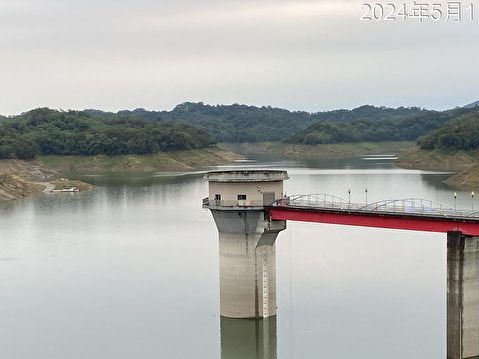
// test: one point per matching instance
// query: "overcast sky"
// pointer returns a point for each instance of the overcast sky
(302, 55)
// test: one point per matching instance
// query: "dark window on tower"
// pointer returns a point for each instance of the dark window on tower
(217, 197)
(241, 197)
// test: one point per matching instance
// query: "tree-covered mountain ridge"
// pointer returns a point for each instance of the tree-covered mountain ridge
(45, 131)
(460, 134)
(386, 129)
(243, 123)
(198, 125)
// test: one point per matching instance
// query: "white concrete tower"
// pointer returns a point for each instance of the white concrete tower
(246, 239)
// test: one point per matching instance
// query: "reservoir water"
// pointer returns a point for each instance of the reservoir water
(130, 270)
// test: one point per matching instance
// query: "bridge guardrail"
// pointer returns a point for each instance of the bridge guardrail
(416, 206)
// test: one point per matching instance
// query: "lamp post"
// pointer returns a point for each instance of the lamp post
(366, 191)
(455, 201)
(472, 200)
(349, 198)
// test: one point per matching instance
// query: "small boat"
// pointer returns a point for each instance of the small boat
(66, 190)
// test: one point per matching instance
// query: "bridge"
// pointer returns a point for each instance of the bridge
(250, 210)
(406, 214)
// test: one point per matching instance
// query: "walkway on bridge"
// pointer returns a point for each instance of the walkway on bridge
(409, 213)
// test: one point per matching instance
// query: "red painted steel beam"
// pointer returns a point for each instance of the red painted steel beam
(405, 222)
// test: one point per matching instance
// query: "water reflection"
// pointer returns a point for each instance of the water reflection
(130, 270)
(248, 338)
(257, 339)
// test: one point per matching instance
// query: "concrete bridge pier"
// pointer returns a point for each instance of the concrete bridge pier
(462, 296)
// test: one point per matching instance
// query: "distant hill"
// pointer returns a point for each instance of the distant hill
(45, 131)
(195, 125)
(368, 112)
(376, 129)
(242, 123)
(472, 105)
(460, 134)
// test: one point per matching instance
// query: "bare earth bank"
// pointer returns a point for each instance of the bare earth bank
(162, 161)
(335, 151)
(464, 164)
(21, 178)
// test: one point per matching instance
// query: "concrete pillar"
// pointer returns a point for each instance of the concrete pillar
(462, 296)
(247, 263)
(248, 339)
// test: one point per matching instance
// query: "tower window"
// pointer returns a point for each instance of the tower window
(241, 197)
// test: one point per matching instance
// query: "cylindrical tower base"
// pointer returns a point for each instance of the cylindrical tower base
(247, 263)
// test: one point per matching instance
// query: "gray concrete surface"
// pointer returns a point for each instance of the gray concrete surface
(246, 239)
(247, 263)
(462, 296)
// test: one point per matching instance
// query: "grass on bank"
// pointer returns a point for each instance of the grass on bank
(161, 161)
(321, 151)
(464, 163)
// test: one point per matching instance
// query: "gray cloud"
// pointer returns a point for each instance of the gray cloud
(310, 55)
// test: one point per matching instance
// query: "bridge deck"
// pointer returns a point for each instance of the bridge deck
(406, 214)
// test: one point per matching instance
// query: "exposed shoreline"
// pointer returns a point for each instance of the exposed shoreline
(162, 161)
(336, 151)
(465, 165)
(23, 178)
(20, 179)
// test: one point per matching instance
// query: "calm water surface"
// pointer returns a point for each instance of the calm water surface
(130, 270)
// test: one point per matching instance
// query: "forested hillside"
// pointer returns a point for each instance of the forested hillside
(376, 129)
(460, 134)
(196, 125)
(472, 105)
(241, 123)
(45, 131)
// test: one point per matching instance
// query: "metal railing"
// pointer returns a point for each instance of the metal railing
(405, 206)
(413, 206)
(410, 205)
(316, 200)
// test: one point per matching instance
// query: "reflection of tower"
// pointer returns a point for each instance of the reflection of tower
(246, 239)
(248, 339)
(462, 296)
